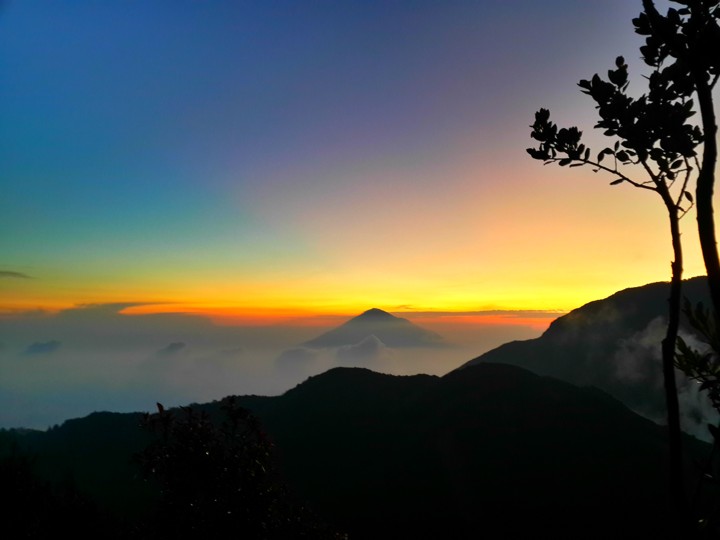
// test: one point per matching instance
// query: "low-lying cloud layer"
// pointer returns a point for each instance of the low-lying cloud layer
(370, 349)
(94, 357)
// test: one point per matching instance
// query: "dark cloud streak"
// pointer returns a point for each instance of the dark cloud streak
(172, 349)
(42, 347)
(9, 274)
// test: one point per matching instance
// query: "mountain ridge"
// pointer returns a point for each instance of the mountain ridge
(614, 344)
(384, 456)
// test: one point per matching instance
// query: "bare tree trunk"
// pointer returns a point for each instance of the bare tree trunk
(677, 487)
(668, 359)
(704, 191)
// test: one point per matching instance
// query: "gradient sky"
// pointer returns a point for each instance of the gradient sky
(263, 160)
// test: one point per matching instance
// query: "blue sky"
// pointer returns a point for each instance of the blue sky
(145, 144)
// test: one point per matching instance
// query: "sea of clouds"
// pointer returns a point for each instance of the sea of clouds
(95, 358)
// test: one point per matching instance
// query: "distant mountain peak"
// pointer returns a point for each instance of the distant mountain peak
(376, 313)
(390, 330)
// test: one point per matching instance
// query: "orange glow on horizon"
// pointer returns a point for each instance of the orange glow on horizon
(235, 316)
(239, 316)
(537, 321)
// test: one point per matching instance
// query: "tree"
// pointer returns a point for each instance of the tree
(219, 479)
(684, 46)
(653, 136)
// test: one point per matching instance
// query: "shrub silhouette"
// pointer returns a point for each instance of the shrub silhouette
(34, 508)
(218, 479)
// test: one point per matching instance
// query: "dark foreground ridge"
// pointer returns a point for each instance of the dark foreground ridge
(490, 451)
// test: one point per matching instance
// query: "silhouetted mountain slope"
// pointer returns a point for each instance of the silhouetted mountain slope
(390, 330)
(613, 344)
(491, 450)
(93, 452)
(467, 452)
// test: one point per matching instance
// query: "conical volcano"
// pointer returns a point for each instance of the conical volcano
(390, 330)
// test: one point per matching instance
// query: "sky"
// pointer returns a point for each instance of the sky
(286, 165)
(276, 158)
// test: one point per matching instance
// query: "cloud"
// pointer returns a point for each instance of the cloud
(171, 349)
(109, 328)
(296, 356)
(110, 307)
(696, 410)
(215, 361)
(232, 353)
(13, 275)
(108, 358)
(42, 347)
(369, 349)
(638, 357)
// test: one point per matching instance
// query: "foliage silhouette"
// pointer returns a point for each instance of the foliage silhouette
(218, 480)
(654, 134)
(684, 47)
(704, 367)
(35, 508)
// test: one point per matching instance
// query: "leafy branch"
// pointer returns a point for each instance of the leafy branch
(652, 131)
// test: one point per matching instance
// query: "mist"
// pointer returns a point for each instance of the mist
(639, 359)
(95, 358)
